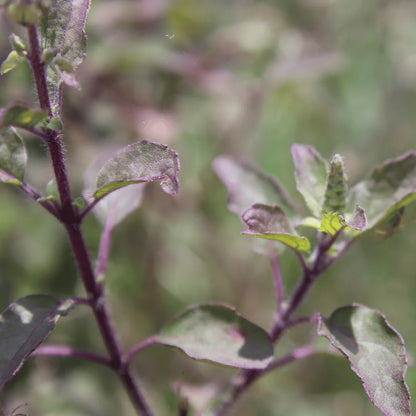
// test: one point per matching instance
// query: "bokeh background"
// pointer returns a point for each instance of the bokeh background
(242, 77)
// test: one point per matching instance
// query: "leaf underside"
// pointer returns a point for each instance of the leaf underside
(217, 333)
(376, 353)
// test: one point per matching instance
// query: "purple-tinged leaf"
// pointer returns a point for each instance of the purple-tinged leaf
(358, 220)
(336, 187)
(62, 28)
(116, 206)
(384, 196)
(13, 156)
(216, 333)
(376, 353)
(140, 162)
(311, 172)
(270, 222)
(23, 326)
(23, 117)
(248, 185)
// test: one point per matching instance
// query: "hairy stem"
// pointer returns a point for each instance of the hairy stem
(72, 220)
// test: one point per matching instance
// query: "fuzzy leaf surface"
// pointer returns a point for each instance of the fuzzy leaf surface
(247, 185)
(13, 156)
(140, 162)
(23, 117)
(116, 206)
(376, 353)
(311, 172)
(23, 326)
(217, 333)
(63, 28)
(270, 222)
(384, 196)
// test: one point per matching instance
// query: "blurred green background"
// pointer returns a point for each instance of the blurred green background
(244, 77)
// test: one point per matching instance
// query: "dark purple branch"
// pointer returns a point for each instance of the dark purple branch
(36, 196)
(250, 376)
(88, 208)
(65, 351)
(141, 346)
(278, 281)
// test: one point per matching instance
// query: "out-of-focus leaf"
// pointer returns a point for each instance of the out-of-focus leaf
(217, 333)
(117, 205)
(23, 326)
(270, 222)
(247, 185)
(384, 196)
(13, 156)
(376, 353)
(20, 116)
(311, 172)
(140, 162)
(336, 187)
(11, 62)
(358, 220)
(24, 14)
(18, 44)
(63, 28)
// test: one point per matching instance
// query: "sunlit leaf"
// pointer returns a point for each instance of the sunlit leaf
(13, 156)
(336, 187)
(384, 196)
(140, 162)
(23, 326)
(20, 116)
(217, 333)
(331, 223)
(62, 28)
(11, 62)
(247, 185)
(270, 222)
(116, 206)
(311, 172)
(376, 353)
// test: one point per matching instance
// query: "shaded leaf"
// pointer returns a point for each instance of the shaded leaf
(270, 222)
(24, 14)
(247, 185)
(23, 326)
(140, 162)
(63, 28)
(390, 188)
(13, 156)
(376, 353)
(217, 333)
(336, 187)
(311, 172)
(11, 62)
(358, 220)
(20, 116)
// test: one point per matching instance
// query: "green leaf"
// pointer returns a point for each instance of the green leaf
(13, 156)
(376, 353)
(55, 124)
(270, 222)
(217, 333)
(23, 13)
(139, 162)
(11, 62)
(384, 196)
(18, 44)
(116, 206)
(24, 117)
(23, 326)
(62, 30)
(331, 223)
(336, 187)
(311, 172)
(248, 185)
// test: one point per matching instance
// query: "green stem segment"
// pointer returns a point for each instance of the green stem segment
(71, 219)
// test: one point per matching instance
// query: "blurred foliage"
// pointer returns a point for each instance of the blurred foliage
(246, 77)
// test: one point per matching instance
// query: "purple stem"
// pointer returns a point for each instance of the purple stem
(141, 346)
(36, 196)
(71, 219)
(278, 281)
(65, 351)
(252, 375)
